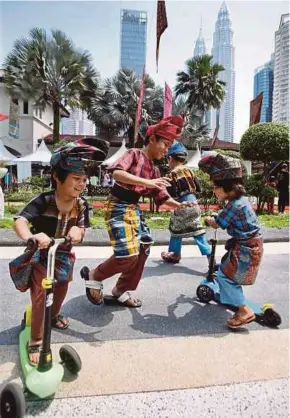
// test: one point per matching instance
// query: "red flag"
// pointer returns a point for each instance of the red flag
(167, 101)
(255, 109)
(3, 117)
(161, 25)
(139, 106)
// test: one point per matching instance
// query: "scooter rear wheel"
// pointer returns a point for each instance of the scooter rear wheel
(204, 293)
(12, 401)
(70, 358)
(272, 318)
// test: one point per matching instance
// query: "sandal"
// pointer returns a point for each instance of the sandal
(92, 284)
(237, 321)
(59, 319)
(33, 349)
(167, 257)
(123, 300)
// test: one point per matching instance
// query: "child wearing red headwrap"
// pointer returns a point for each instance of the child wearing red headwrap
(135, 175)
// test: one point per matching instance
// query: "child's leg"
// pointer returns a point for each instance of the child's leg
(37, 301)
(203, 245)
(130, 278)
(175, 244)
(231, 293)
(60, 291)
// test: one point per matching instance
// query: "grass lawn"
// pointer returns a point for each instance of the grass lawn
(154, 220)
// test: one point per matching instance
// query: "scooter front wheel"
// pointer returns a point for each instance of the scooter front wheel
(12, 401)
(204, 293)
(272, 318)
(70, 358)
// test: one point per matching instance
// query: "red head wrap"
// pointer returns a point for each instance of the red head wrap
(168, 128)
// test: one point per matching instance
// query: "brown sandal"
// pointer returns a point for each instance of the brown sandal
(59, 319)
(168, 258)
(237, 321)
(92, 284)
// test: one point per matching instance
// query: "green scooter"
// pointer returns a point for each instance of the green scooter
(44, 379)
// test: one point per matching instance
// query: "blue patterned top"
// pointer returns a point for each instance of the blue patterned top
(239, 219)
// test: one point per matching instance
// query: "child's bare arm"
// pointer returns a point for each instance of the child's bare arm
(127, 178)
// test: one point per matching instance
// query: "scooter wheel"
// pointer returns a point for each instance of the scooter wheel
(204, 293)
(272, 318)
(12, 401)
(70, 358)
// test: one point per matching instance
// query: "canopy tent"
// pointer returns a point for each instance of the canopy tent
(41, 156)
(5, 155)
(121, 151)
(194, 160)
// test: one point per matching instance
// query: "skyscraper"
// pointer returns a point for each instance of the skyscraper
(281, 72)
(199, 48)
(223, 52)
(77, 124)
(263, 83)
(133, 40)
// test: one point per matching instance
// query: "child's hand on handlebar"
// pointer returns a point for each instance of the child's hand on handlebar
(210, 221)
(76, 234)
(42, 240)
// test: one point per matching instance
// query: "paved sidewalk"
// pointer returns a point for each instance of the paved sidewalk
(99, 237)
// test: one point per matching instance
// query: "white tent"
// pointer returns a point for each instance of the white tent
(41, 156)
(121, 151)
(5, 155)
(194, 160)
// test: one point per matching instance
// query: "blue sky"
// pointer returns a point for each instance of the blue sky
(95, 26)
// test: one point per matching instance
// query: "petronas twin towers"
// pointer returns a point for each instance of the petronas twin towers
(223, 52)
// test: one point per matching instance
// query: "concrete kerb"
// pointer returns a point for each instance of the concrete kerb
(99, 237)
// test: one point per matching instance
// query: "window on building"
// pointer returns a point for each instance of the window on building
(25, 108)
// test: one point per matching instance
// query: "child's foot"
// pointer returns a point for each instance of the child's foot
(128, 301)
(60, 322)
(170, 257)
(33, 348)
(94, 289)
(240, 318)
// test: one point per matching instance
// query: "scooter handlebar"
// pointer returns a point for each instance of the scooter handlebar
(32, 244)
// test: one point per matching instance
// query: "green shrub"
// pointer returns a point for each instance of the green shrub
(12, 209)
(256, 186)
(6, 223)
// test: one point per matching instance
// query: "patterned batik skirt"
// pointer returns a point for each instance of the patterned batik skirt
(241, 262)
(126, 227)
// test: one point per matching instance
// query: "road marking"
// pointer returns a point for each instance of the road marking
(156, 364)
(188, 251)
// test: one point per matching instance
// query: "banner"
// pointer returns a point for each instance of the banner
(139, 106)
(167, 101)
(13, 129)
(161, 25)
(255, 109)
(3, 117)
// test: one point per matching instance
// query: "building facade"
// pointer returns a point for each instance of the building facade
(223, 52)
(34, 124)
(77, 124)
(133, 40)
(263, 83)
(281, 73)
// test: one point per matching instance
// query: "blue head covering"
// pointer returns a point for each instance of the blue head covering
(177, 149)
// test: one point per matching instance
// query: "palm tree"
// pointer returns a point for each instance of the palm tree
(193, 131)
(51, 71)
(114, 108)
(200, 85)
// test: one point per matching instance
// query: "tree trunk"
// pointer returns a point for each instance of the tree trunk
(56, 119)
(131, 132)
